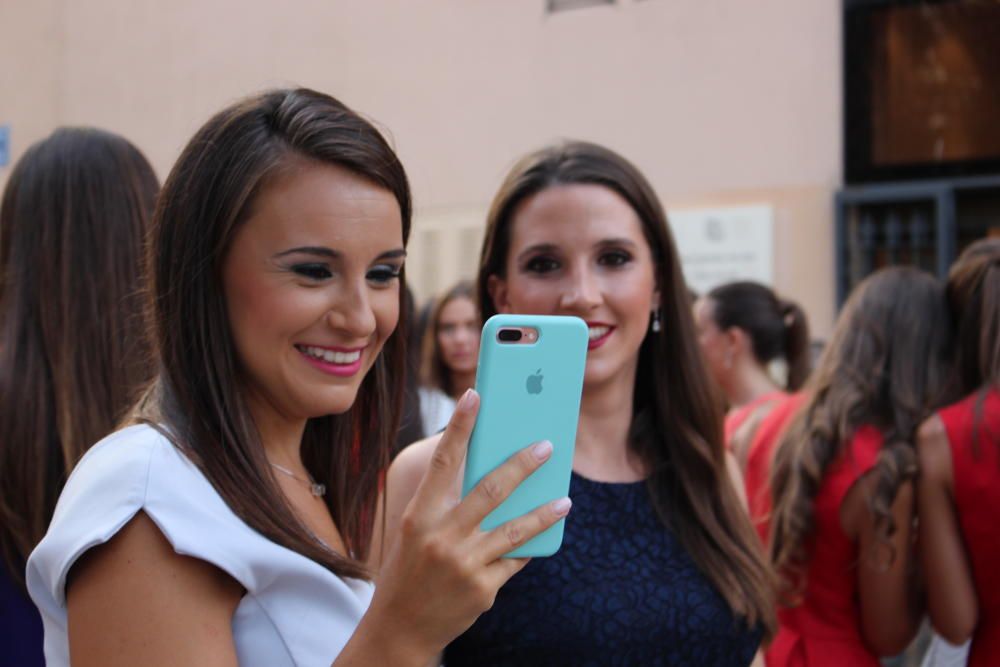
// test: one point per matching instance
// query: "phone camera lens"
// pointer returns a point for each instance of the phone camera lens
(509, 335)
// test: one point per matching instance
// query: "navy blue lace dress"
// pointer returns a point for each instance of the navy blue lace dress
(620, 591)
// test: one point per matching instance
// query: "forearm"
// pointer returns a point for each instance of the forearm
(372, 644)
(890, 626)
(951, 603)
(951, 595)
(891, 600)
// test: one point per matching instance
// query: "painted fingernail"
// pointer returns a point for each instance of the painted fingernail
(541, 450)
(468, 399)
(561, 506)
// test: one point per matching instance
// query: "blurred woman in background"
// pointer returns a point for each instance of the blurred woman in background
(743, 329)
(959, 453)
(841, 530)
(73, 349)
(450, 354)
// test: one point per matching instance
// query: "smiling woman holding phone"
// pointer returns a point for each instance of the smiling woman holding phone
(240, 501)
(659, 564)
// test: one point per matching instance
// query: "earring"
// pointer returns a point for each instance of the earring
(655, 326)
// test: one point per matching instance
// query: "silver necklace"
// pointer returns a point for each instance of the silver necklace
(318, 490)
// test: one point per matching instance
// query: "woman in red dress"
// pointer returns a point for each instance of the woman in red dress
(959, 454)
(742, 328)
(841, 529)
(760, 453)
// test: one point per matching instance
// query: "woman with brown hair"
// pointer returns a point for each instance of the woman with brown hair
(843, 475)
(229, 525)
(743, 327)
(659, 564)
(73, 350)
(450, 354)
(959, 453)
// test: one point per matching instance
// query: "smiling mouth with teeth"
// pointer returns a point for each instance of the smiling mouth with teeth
(330, 356)
(596, 332)
(598, 335)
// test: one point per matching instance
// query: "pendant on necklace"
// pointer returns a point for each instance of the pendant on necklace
(318, 490)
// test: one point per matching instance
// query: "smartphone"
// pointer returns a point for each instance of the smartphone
(529, 379)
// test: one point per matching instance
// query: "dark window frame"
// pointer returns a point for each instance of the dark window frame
(859, 168)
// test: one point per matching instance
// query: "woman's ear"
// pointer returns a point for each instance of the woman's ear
(497, 287)
(737, 340)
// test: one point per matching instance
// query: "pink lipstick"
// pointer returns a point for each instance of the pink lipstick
(342, 362)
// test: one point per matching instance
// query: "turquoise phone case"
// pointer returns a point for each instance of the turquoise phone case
(529, 392)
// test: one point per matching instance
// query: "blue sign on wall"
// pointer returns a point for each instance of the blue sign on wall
(4, 145)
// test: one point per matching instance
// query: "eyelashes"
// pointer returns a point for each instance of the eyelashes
(315, 272)
(543, 264)
(382, 274)
(615, 258)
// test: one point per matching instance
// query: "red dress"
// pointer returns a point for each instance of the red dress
(757, 478)
(825, 628)
(977, 500)
(738, 416)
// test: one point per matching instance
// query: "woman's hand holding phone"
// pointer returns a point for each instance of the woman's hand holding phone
(442, 571)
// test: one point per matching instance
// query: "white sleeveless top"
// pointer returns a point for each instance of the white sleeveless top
(436, 409)
(294, 612)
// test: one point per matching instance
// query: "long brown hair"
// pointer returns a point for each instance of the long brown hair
(776, 327)
(973, 291)
(434, 372)
(886, 366)
(199, 397)
(73, 350)
(677, 423)
(974, 299)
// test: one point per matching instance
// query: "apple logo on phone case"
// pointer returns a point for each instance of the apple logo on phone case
(534, 382)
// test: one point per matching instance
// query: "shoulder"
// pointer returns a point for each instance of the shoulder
(141, 553)
(105, 490)
(931, 430)
(113, 473)
(933, 450)
(129, 446)
(137, 589)
(137, 470)
(401, 484)
(773, 424)
(736, 477)
(136, 466)
(409, 466)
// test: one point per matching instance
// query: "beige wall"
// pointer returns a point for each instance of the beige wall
(29, 72)
(718, 101)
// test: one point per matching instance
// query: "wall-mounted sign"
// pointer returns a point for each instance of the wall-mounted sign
(720, 245)
(553, 6)
(4, 145)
